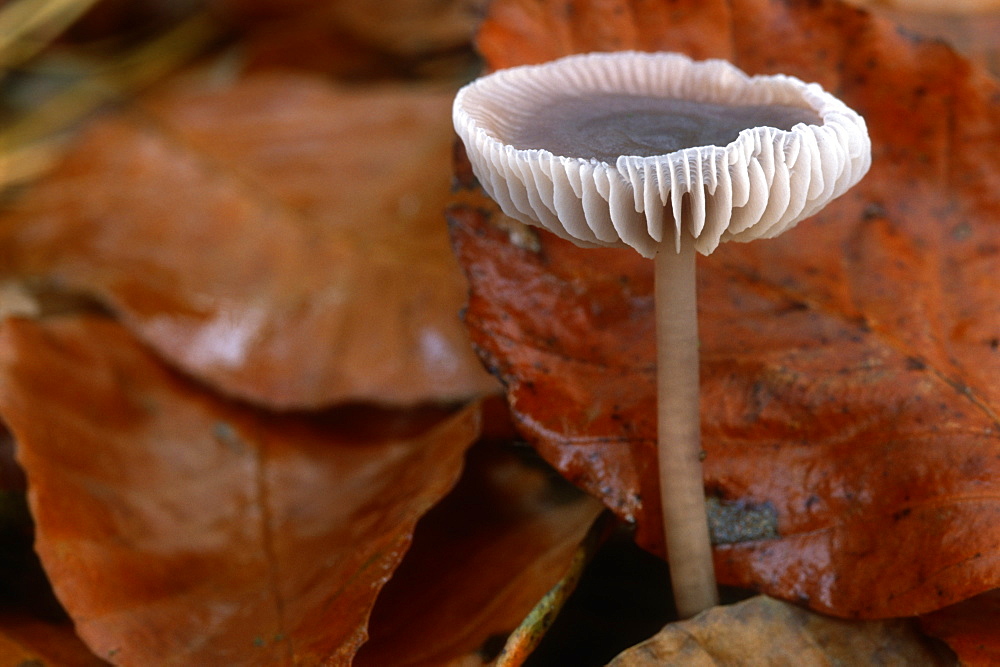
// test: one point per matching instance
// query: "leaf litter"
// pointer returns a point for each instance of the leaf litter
(802, 287)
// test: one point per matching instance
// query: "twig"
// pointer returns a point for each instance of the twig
(527, 636)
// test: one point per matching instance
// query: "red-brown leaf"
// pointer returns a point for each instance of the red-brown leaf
(849, 368)
(969, 628)
(26, 641)
(278, 237)
(480, 562)
(364, 40)
(178, 528)
(395, 27)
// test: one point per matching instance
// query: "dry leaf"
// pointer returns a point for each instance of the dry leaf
(177, 528)
(11, 477)
(410, 27)
(361, 40)
(404, 27)
(971, 26)
(850, 397)
(941, 6)
(280, 238)
(33, 628)
(969, 628)
(26, 641)
(480, 561)
(767, 632)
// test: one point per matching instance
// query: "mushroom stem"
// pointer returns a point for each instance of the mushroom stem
(682, 491)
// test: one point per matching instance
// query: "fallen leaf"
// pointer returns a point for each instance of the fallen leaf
(410, 27)
(178, 528)
(406, 27)
(930, 6)
(26, 641)
(25, 593)
(11, 475)
(480, 561)
(969, 628)
(362, 40)
(279, 238)
(970, 26)
(764, 631)
(849, 368)
(306, 45)
(34, 630)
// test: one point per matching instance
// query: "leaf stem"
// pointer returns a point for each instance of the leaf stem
(682, 491)
(529, 634)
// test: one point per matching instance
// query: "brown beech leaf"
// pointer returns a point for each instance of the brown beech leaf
(971, 26)
(26, 641)
(480, 561)
(764, 631)
(969, 628)
(279, 238)
(33, 628)
(410, 27)
(850, 391)
(178, 528)
(362, 40)
(406, 27)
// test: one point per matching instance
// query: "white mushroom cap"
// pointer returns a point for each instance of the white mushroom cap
(760, 183)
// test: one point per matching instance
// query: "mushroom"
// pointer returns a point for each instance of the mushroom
(670, 157)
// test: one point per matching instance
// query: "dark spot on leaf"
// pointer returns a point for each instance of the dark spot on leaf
(873, 210)
(910, 35)
(795, 306)
(740, 521)
(961, 231)
(227, 435)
